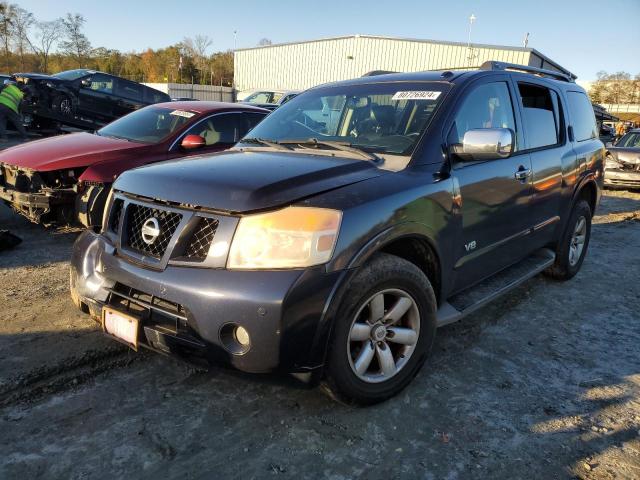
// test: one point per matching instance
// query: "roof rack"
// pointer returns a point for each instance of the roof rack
(493, 65)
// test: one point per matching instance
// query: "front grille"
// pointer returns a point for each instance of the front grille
(136, 217)
(116, 214)
(200, 242)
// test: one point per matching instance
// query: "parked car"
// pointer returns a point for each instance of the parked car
(82, 98)
(66, 178)
(269, 99)
(622, 163)
(607, 134)
(335, 238)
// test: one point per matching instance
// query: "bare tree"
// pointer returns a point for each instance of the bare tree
(197, 49)
(7, 15)
(75, 43)
(264, 42)
(22, 23)
(47, 35)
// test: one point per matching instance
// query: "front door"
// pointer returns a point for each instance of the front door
(493, 195)
(96, 100)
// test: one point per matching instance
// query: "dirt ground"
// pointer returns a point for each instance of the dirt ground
(544, 383)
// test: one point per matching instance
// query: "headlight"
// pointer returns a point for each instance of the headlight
(611, 163)
(293, 237)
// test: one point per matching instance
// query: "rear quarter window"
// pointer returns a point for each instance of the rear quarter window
(582, 117)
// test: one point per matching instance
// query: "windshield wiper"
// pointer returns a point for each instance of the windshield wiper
(268, 143)
(344, 146)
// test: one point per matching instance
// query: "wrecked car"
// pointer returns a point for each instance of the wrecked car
(82, 98)
(66, 179)
(375, 211)
(622, 164)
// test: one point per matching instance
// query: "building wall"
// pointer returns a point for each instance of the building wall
(299, 66)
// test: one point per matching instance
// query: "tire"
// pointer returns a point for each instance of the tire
(400, 283)
(63, 105)
(568, 262)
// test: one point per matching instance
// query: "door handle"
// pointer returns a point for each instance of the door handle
(522, 173)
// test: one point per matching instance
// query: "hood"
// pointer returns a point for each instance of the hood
(242, 181)
(627, 155)
(66, 151)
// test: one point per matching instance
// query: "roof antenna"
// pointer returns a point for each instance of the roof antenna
(525, 42)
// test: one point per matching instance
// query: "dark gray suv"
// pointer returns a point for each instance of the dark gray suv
(350, 224)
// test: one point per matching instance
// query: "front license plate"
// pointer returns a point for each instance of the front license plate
(121, 326)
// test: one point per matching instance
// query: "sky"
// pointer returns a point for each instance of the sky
(583, 36)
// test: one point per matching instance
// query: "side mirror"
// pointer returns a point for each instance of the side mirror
(85, 82)
(191, 142)
(486, 144)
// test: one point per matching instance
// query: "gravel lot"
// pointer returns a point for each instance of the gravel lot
(542, 384)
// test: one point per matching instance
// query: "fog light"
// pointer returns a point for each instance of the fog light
(235, 339)
(242, 336)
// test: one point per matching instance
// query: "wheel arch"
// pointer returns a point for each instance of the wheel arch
(411, 241)
(587, 190)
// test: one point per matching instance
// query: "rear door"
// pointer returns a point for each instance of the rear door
(543, 121)
(128, 97)
(494, 204)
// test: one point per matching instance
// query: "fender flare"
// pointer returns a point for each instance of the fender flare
(320, 344)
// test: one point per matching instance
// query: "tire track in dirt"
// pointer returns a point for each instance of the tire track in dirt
(48, 380)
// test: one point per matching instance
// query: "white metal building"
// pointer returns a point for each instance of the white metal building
(297, 66)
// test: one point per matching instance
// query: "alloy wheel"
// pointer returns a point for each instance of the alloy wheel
(383, 335)
(577, 241)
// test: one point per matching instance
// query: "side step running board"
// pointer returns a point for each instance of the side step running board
(471, 299)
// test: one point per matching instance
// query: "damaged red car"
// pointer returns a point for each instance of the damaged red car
(66, 179)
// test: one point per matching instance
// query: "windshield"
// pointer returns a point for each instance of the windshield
(148, 125)
(263, 97)
(71, 74)
(630, 140)
(381, 118)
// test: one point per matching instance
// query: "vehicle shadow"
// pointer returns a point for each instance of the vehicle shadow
(39, 245)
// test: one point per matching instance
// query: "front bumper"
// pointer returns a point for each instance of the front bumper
(622, 178)
(35, 205)
(281, 310)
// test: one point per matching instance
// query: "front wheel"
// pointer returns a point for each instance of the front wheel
(64, 105)
(383, 332)
(572, 247)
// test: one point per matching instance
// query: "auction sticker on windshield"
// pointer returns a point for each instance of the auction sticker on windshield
(416, 95)
(182, 113)
(121, 326)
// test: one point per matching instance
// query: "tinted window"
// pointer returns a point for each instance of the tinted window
(377, 117)
(101, 83)
(130, 90)
(155, 96)
(487, 106)
(252, 119)
(582, 117)
(541, 115)
(221, 128)
(148, 125)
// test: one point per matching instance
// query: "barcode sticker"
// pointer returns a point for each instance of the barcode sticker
(416, 95)
(182, 113)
